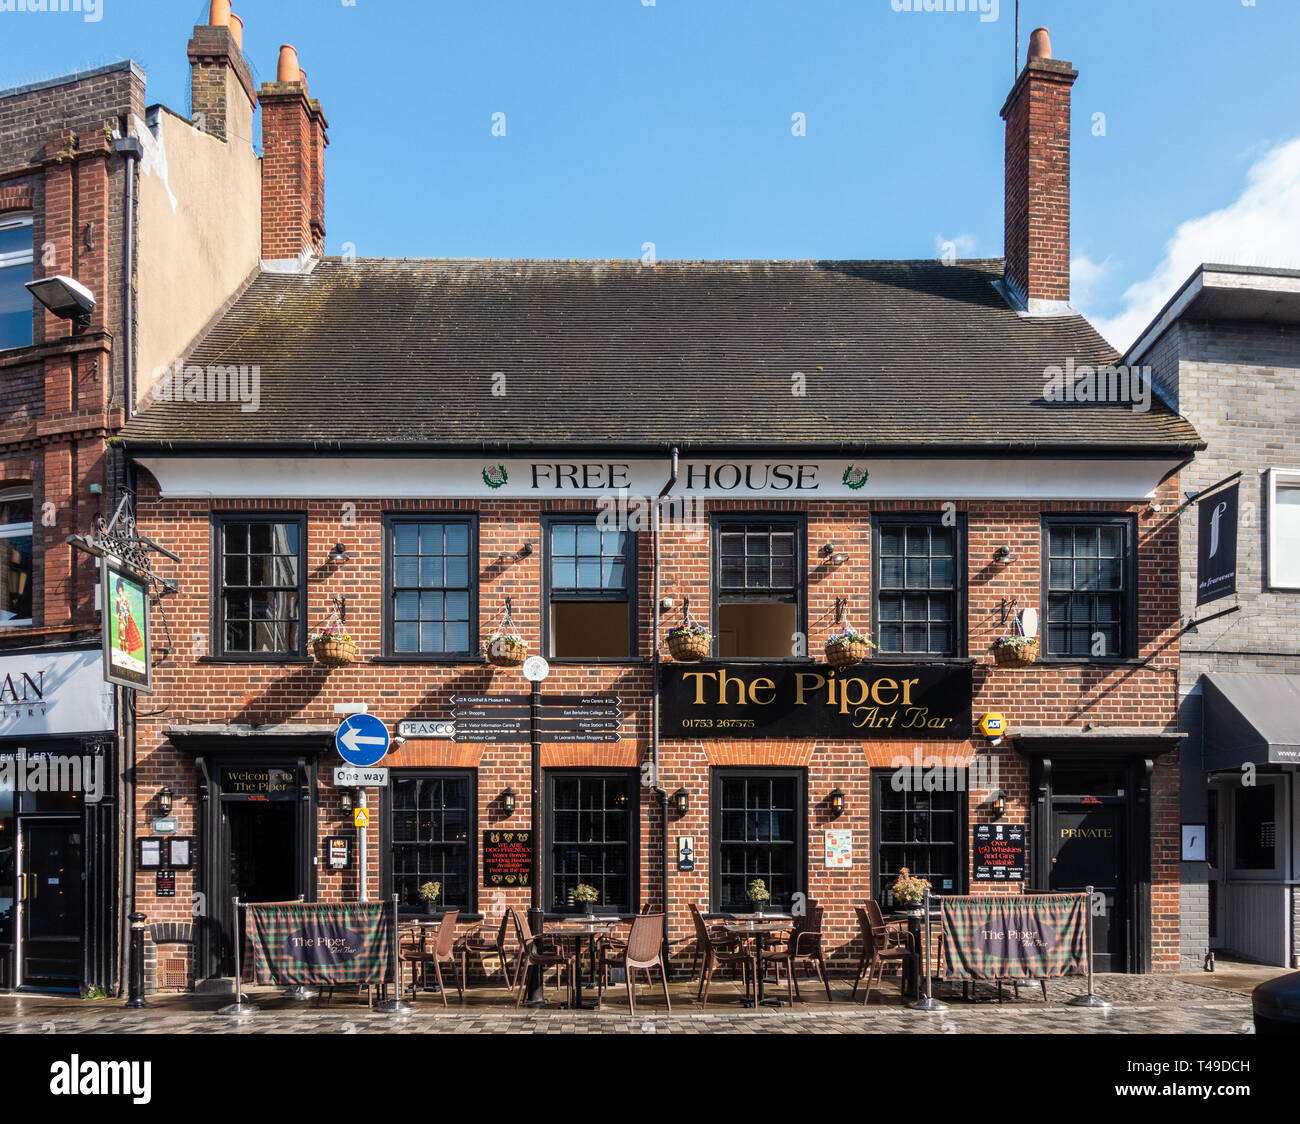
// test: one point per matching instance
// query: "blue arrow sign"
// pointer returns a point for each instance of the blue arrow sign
(361, 740)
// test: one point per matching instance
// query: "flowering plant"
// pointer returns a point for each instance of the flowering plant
(849, 635)
(690, 628)
(1016, 643)
(757, 892)
(332, 631)
(500, 641)
(430, 891)
(584, 893)
(908, 889)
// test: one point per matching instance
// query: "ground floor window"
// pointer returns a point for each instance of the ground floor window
(593, 838)
(758, 833)
(433, 837)
(923, 831)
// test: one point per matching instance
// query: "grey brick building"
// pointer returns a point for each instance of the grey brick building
(1225, 353)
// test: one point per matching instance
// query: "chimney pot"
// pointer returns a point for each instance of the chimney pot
(288, 70)
(237, 30)
(219, 13)
(1040, 43)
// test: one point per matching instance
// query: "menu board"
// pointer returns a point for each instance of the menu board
(999, 852)
(507, 858)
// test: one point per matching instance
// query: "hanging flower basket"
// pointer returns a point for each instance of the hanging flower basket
(336, 649)
(1015, 651)
(846, 648)
(502, 650)
(689, 643)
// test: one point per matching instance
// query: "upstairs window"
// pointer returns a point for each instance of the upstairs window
(1089, 580)
(262, 590)
(918, 587)
(432, 571)
(15, 558)
(1283, 529)
(16, 257)
(591, 572)
(759, 568)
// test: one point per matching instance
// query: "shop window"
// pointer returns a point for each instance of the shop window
(1255, 827)
(591, 579)
(1088, 577)
(15, 558)
(593, 826)
(759, 575)
(758, 832)
(16, 305)
(432, 837)
(432, 586)
(918, 587)
(262, 591)
(1283, 529)
(923, 831)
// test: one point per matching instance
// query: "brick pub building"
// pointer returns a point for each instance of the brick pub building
(842, 441)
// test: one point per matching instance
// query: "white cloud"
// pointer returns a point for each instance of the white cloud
(1087, 278)
(962, 246)
(1261, 228)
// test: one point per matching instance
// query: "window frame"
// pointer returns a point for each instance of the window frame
(217, 648)
(1129, 616)
(548, 520)
(880, 780)
(960, 639)
(1287, 478)
(799, 521)
(388, 843)
(547, 873)
(19, 531)
(15, 220)
(1277, 783)
(719, 773)
(388, 623)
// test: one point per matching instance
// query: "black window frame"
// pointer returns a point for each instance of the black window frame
(548, 871)
(721, 773)
(799, 522)
(389, 590)
(217, 649)
(388, 874)
(1129, 613)
(960, 595)
(549, 519)
(882, 780)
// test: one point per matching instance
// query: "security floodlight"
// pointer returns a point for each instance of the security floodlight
(66, 298)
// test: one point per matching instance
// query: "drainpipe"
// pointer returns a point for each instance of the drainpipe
(660, 794)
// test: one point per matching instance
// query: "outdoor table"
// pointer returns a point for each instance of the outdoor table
(580, 930)
(915, 926)
(760, 931)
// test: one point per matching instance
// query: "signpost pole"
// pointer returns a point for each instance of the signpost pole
(927, 1002)
(237, 1008)
(361, 848)
(1092, 999)
(395, 1006)
(536, 995)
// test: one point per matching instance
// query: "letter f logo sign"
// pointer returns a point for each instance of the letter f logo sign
(1214, 528)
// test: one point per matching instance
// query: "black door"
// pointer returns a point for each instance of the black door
(260, 848)
(1088, 850)
(51, 903)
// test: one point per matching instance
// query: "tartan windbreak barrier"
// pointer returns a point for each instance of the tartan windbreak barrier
(996, 937)
(323, 943)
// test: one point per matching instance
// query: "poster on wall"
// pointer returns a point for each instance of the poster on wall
(507, 858)
(999, 852)
(839, 849)
(124, 600)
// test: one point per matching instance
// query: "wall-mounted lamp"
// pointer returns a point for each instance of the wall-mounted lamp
(346, 794)
(828, 550)
(525, 550)
(1003, 555)
(66, 298)
(165, 800)
(339, 554)
(839, 559)
(620, 800)
(837, 802)
(681, 801)
(508, 801)
(998, 804)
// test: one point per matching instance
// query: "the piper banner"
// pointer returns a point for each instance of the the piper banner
(1000, 937)
(323, 944)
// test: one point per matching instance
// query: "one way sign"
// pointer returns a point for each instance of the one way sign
(361, 740)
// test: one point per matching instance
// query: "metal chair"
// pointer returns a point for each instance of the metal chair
(535, 952)
(419, 954)
(881, 945)
(645, 949)
(485, 945)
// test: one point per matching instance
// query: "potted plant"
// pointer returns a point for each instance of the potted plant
(758, 895)
(847, 647)
(587, 897)
(689, 642)
(429, 893)
(333, 647)
(1015, 650)
(504, 649)
(908, 890)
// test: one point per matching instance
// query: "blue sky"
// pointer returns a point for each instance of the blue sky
(629, 122)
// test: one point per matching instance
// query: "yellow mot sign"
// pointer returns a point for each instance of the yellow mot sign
(360, 817)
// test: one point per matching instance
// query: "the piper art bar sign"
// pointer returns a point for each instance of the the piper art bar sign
(868, 702)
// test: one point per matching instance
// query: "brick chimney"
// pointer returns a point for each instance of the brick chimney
(294, 138)
(222, 94)
(1037, 231)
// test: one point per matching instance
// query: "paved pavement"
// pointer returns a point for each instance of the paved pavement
(1140, 1004)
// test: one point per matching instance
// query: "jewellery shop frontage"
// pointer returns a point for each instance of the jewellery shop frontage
(58, 822)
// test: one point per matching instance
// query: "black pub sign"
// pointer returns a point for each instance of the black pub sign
(869, 701)
(999, 852)
(507, 858)
(259, 783)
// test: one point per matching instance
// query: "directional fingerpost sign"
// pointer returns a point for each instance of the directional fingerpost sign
(361, 740)
(561, 718)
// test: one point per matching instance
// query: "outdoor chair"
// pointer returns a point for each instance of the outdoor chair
(804, 946)
(486, 945)
(645, 950)
(882, 945)
(419, 954)
(537, 952)
(716, 948)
